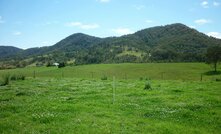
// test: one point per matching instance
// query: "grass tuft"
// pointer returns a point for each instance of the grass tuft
(5, 80)
(147, 86)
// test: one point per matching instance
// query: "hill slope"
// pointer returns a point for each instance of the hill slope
(8, 51)
(170, 43)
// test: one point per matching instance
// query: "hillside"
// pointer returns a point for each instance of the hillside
(8, 51)
(170, 43)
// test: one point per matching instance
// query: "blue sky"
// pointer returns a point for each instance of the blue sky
(36, 23)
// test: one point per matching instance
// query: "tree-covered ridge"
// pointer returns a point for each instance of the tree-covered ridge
(170, 43)
(7, 51)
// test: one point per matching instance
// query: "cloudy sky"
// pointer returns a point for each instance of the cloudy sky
(36, 23)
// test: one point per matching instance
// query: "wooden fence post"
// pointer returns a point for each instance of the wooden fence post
(92, 75)
(162, 75)
(62, 75)
(34, 74)
(113, 92)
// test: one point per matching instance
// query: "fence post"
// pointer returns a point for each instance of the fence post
(34, 74)
(125, 76)
(92, 75)
(201, 77)
(162, 75)
(62, 74)
(113, 92)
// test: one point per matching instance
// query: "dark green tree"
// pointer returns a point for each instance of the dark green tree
(61, 64)
(213, 56)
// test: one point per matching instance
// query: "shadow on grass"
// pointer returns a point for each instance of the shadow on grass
(212, 73)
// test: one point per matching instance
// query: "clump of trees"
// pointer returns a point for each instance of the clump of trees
(61, 64)
(213, 56)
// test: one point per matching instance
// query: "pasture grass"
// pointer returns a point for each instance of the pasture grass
(79, 100)
(156, 71)
(76, 105)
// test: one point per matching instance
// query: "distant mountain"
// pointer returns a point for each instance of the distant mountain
(8, 51)
(170, 43)
(76, 41)
(176, 42)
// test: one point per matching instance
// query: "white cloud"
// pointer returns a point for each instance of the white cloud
(122, 31)
(205, 4)
(149, 21)
(44, 42)
(216, 4)
(103, 1)
(202, 21)
(1, 20)
(17, 33)
(214, 34)
(139, 7)
(82, 26)
(192, 27)
(50, 22)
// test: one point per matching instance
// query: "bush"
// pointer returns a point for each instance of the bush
(104, 77)
(61, 64)
(20, 77)
(218, 79)
(147, 86)
(144, 78)
(213, 73)
(48, 64)
(147, 78)
(5, 80)
(17, 77)
(13, 77)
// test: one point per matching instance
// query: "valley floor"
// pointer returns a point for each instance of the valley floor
(78, 105)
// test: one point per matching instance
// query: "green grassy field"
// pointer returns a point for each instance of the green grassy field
(177, 102)
(156, 71)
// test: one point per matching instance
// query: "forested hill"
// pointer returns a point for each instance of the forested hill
(8, 51)
(170, 43)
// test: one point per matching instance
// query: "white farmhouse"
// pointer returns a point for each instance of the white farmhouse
(56, 64)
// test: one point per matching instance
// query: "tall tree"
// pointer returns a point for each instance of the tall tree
(213, 56)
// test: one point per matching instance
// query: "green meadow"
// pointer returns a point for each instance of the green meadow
(156, 71)
(76, 100)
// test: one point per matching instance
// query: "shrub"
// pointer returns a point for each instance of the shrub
(17, 77)
(147, 78)
(13, 77)
(147, 86)
(5, 80)
(144, 78)
(218, 79)
(61, 64)
(212, 73)
(20, 77)
(48, 64)
(104, 77)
